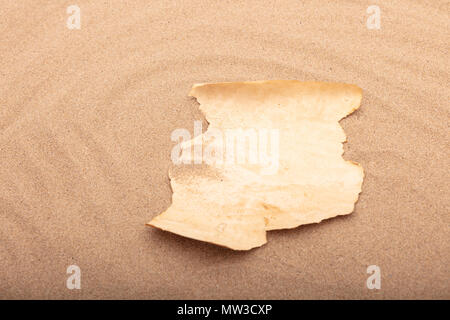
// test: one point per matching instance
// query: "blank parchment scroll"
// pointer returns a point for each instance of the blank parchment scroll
(271, 158)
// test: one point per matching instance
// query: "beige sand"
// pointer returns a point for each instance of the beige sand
(85, 123)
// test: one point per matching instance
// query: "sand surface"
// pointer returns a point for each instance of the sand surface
(85, 123)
